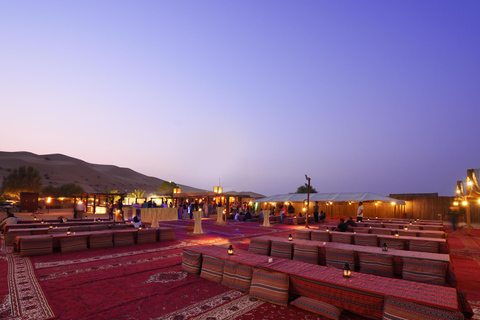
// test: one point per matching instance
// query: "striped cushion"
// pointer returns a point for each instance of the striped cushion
(366, 240)
(36, 246)
(123, 239)
(260, 246)
(73, 244)
(146, 236)
(56, 231)
(99, 227)
(166, 234)
(237, 276)
(342, 237)
(318, 235)
(100, 240)
(304, 253)
(270, 286)
(191, 262)
(319, 307)
(377, 264)
(302, 234)
(397, 244)
(79, 228)
(424, 246)
(413, 227)
(120, 226)
(375, 225)
(11, 234)
(381, 231)
(403, 233)
(362, 230)
(395, 309)
(338, 257)
(426, 271)
(212, 269)
(432, 228)
(430, 235)
(281, 250)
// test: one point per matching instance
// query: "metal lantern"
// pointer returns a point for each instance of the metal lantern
(35, 218)
(69, 232)
(230, 250)
(405, 228)
(290, 238)
(396, 233)
(51, 226)
(347, 271)
(384, 247)
(328, 230)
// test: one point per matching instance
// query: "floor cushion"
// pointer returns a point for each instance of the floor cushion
(302, 234)
(316, 306)
(166, 234)
(99, 240)
(366, 240)
(191, 261)
(281, 249)
(237, 276)
(73, 244)
(381, 231)
(305, 253)
(342, 237)
(376, 264)
(397, 244)
(431, 235)
(319, 235)
(11, 234)
(123, 238)
(79, 228)
(395, 309)
(98, 228)
(424, 246)
(146, 236)
(338, 257)
(270, 286)
(212, 268)
(260, 246)
(35, 245)
(426, 271)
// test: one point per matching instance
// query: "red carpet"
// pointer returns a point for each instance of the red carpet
(147, 282)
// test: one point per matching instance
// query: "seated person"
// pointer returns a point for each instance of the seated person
(237, 216)
(136, 222)
(248, 215)
(10, 219)
(322, 216)
(350, 222)
(342, 226)
(260, 215)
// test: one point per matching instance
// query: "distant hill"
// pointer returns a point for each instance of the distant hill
(58, 169)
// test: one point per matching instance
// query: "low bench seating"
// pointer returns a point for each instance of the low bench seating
(166, 234)
(101, 239)
(34, 245)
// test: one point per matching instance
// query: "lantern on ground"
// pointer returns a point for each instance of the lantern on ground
(290, 238)
(69, 232)
(347, 271)
(35, 218)
(230, 250)
(327, 229)
(43, 221)
(405, 228)
(396, 233)
(50, 226)
(384, 247)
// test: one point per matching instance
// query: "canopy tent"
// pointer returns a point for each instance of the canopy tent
(333, 197)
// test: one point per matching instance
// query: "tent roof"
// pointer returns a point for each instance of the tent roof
(334, 197)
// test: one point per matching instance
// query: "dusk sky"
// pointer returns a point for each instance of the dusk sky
(379, 96)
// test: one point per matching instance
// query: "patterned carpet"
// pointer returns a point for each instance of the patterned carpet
(147, 281)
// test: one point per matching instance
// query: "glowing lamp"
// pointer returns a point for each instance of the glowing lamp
(368, 219)
(470, 183)
(478, 200)
(217, 189)
(69, 232)
(139, 228)
(464, 203)
(43, 221)
(327, 229)
(393, 203)
(35, 218)
(347, 271)
(384, 247)
(230, 250)
(455, 203)
(290, 238)
(376, 217)
(50, 226)
(405, 228)
(410, 223)
(177, 190)
(458, 191)
(396, 233)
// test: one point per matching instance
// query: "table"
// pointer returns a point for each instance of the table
(154, 215)
(362, 293)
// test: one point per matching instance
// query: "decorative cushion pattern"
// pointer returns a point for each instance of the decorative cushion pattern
(281, 250)
(426, 271)
(11, 234)
(237, 276)
(35, 246)
(430, 235)
(362, 230)
(302, 234)
(212, 269)
(342, 237)
(123, 239)
(316, 306)
(318, 235)
(79, 228)
(397, 244)
(166, 234)
(395, 309)
(304, 253)
(73, 244)
(270, 286)
(146, 236)
(260, 246)
(120, 226)
(98, 228)
(424, 246)
(338, 257)
(101, 240)
(376, 264)
(381, 231)
(191, 262)
(366, 240)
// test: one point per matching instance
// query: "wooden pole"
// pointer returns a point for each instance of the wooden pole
(308, 202)
(469, 221)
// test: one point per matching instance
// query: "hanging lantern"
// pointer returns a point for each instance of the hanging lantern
(290, 238)
(384, 247)
(347, 271)
(230, 250)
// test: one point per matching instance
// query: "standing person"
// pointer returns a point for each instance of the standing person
(360, 212)
(190, 210)
(283, 212)
(120, 207)
(315, 212)
(110, 210)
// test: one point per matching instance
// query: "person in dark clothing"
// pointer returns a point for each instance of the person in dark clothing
(322, 216)
(350, 222)
(315, 212)
(248, 215)
(342, 226)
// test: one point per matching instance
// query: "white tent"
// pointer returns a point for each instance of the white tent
(333, 197)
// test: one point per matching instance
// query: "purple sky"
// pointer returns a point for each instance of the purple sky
(379, 96)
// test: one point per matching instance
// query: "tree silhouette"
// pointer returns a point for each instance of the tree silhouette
(23, 179)
(304, 189)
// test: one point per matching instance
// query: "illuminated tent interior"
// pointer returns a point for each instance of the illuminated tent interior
(333, 197)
